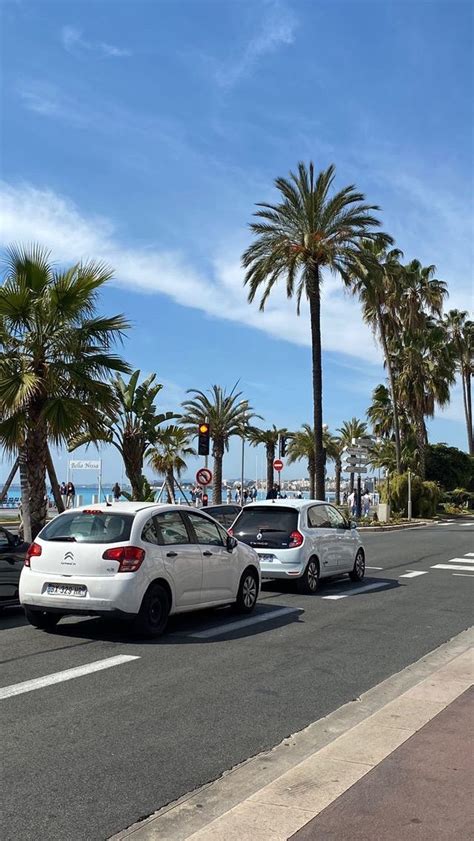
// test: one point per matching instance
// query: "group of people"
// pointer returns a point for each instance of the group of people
(68, 493)
(366, 501)
(249, 495)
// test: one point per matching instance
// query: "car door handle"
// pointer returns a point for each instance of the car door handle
(171, 554)
(207, 554)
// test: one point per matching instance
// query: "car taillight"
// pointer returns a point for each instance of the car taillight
(296, 539)
(130, 558)
(34, 551)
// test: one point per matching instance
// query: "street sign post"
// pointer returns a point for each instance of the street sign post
(278, 465)
(204, 476)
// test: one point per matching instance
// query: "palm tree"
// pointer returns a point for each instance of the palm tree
(167, 456)
(54, 363)
(375, 281)
(418, 293)
(348, 430)
(307, 231)
(227, 415)
(460, 332)
(269, 438)
(132, 427)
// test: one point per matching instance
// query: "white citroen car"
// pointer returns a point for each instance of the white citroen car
(301, 539)
(136, 560)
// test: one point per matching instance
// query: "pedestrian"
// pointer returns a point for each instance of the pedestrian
(117, 491)
(254, 494)
(229, 496)
(246, 496)
(63, 492)
(272, 493)
(352, 502)
(366, 503)
(70, 495)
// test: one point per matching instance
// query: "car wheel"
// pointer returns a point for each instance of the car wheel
(309, 581)
(248, 592)
(153, 614)
(42, 619)
(358, 571)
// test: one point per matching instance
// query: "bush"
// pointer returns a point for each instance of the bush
(450, 467)
(459, 498)
(424, 496)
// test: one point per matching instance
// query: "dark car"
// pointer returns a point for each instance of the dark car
(12, 556)
(224, 514)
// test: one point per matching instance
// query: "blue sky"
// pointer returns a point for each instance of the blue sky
(144, 132)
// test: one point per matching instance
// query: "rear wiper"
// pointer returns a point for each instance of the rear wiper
(64, 539)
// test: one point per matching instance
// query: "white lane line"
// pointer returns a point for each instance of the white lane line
(461, 561)
(463, 574)
(469, 554)
(374, 567)
(466, 524)
(413, 574)
(220, 630)
(68, 674)
(364, 589)
(453, 566)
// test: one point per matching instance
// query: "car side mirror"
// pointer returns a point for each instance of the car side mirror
(231, 543)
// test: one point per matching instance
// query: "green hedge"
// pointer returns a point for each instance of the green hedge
(425, 496)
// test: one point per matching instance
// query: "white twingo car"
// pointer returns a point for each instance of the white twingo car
(301, 539)
(136, 560)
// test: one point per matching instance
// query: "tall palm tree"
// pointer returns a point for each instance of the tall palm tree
(418, 293)
(348, 430)
(302, 446)
(460, 332)
(307, 231)
(380, 412)
(376, 280)
(167, 456)
(227, 415)
(57, 356)
(269, 438)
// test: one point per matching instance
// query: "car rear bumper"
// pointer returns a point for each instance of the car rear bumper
(277, 568)
(105, 595)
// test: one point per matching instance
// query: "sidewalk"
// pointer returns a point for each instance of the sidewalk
(424, 790)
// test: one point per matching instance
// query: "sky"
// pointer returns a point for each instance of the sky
(143, 132)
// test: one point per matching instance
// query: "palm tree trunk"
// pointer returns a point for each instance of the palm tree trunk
(338, 481)
(25, 518)
(312, 480)
(170, 485)
(9, 480)
(391, 380)
(218, 453)
(466, 393)
(351, 482)
(54, 482)
(36, 458)
(270, 448)
(421, 442)
(315, 316)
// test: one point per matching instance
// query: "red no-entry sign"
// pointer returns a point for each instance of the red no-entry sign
(204, 476)
(278, 465)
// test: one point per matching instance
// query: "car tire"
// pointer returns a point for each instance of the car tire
(308, 584)
(153, 614)
(42, 619)
(358, 570)
(247, 594)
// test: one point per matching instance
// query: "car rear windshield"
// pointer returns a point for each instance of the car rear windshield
(266, 526)
(84, 527)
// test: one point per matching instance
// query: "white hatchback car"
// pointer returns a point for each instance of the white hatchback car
(301, 539)
(136, 560)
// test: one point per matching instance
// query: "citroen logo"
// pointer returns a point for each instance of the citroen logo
(259, 535)
(68, 559)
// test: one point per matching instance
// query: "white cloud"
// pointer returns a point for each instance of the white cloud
(277, 28)
(28, 214)
(74, 42)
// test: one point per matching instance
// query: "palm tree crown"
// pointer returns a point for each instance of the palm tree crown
(308, 230)
(168, 455)
(269, 438)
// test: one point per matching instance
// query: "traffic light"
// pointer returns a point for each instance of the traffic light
(203, 439)
(282, 447)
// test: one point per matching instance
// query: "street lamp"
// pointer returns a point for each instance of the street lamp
(244, 404)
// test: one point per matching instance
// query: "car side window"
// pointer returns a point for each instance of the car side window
(336, 519)
(206, 531)
(150, 532)
(172, 528)
(318, 517)
(4, 542)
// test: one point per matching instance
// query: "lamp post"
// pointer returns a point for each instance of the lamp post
(409, 494)
(244, 421)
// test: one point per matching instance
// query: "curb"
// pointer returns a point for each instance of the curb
(275, 793)
(399, 526)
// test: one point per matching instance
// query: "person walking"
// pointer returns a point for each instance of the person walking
(366, 503)
(229, 496)
(273, 492)
(352, 502)
(117, 491)
(70, 495)
(254, 494)
(63, 492)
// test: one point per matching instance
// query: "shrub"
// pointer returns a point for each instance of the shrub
(424, 496)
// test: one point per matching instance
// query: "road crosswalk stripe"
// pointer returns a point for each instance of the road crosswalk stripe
(414, 574)
(220, 630)
(461, 561)
(469, 554)
(67, 674)
(357, 590)
(453, 566)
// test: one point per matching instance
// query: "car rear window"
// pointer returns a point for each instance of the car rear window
(266, 526)
(84, 527)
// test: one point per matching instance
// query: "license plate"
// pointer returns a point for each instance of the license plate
(66, 590)
(268, 558)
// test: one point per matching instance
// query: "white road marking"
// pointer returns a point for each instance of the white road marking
(414, 574)
(453, 566)
(68, 674)
(469, 554)
(466, 524)
(220, 630)
(374, 567)
(461, 561)
(364, 589)
(463, 574)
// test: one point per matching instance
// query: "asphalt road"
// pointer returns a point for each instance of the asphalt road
(85, 758)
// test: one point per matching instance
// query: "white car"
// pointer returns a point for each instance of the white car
(136, 560)
(301, 539)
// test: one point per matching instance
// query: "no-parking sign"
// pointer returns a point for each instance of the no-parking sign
(204, 476)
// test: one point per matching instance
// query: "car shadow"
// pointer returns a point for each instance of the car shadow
(12, 617)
